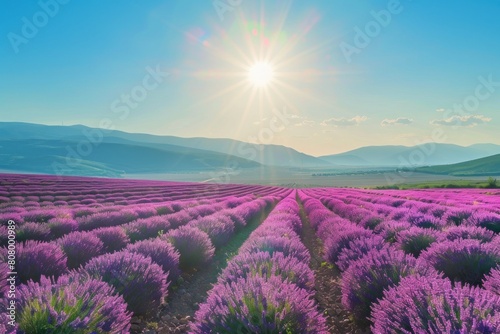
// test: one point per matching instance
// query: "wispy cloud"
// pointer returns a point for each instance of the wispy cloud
(356, 120)
(397, 121)
(440, 110)
(466, 121)
(305, 122)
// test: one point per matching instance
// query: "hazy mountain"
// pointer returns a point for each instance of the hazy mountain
(69, 157)
(272, 155)
(163, 153)
(479, 167)
(404, 156)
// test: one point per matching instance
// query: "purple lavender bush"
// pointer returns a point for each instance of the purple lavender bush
(236, 217)
(39, 216)
(491, 282)
(162, 253)
(389, 229)
(272, 245)
(430, 304)
(70, 305)
(424, 220)
(265, 265)
(278, 230)
(290, 219)
(178, 219)
(33, 231)
(469, 232)
(344, 234)
(219, 228)
(61, 226)
(364, 282)
(164, 209)
(140, 281)
(417, 239)
(463, 260)
(105, 219)
(357, 249)
(371, 222)
(113, 238)
(80, 247)
(193, 245)
(35, 259)
(258, 305)
(145, 211)
(146, 228)
(488, 220)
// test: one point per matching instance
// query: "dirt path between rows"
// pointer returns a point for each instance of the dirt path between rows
(327, 283)
(183, 300)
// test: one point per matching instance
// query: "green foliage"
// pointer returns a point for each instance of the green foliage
(492, 183)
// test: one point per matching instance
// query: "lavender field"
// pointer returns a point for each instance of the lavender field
(90, 255)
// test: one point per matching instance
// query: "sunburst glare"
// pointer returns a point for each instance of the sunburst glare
(261, 74)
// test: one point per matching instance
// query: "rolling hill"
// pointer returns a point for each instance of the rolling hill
(489, 166)
(271, 155)
(68, 157)
(429, 154)
(35, 147)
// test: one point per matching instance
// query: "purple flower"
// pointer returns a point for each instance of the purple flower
(105, 219)
(35, 259)
(258, 305)
(469, 232)
(142, 283)
(430, 304)
(457, 216)
(113, 238)
(80, 247)
(358, 248)
(364, 282)
(488, 220)
(71, 305)
(271, 244)
(219, 228)
(389, 229)
(341, 237)
(417, 239)
(61, 226)
(33, 231)
(491, 282)
(161, 252)
(146, 228)
(194, 246)
(263, 264)
(463, 260)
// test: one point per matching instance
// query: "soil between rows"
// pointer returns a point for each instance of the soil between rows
(327, 283)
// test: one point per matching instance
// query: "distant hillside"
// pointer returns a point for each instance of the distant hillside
(271, 155)
(108, 159)
(489, 166)
(399, 156)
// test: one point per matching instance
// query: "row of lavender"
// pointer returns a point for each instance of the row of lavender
(121, 269)
(268, 287)
(76, 248)
(51, 188)
(375, 207)
(409, 267)
(46, 225)
(36, 196)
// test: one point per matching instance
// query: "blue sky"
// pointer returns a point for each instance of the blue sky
(346, 73)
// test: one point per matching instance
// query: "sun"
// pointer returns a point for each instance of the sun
(261, 74)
